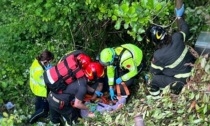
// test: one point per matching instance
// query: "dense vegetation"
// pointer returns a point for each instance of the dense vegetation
(27, 27)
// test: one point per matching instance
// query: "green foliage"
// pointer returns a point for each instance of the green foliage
(28, 27)
(134, 16)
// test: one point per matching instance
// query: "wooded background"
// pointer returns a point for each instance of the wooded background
(27, 27)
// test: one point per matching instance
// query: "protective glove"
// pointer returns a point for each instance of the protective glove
(119, 81)
(98, 93)
(179, 12)
(48, 67)
(111, 93)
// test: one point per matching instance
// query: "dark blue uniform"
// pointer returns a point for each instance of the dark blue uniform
(169, 62)
(60, 104)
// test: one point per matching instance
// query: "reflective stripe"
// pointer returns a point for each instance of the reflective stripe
(36, 69)
(36, 115)
(111, 79)
(126, 77)
(173, 65)
(154, 92)
(35, 82)
(185, 75)
(184, 35)
(67, 124)
(126, 55)
(49, 77)
(156, 67)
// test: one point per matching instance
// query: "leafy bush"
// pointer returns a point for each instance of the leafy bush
(28, 27)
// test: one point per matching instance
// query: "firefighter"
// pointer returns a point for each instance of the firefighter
(97, 88)
(74, 93)
(169, 62)
(123, 64)
(37, 85)
(94, 88)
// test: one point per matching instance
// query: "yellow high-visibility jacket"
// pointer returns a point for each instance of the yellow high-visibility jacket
(37, 84)
(130, 60)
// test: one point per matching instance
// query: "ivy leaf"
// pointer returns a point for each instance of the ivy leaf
(117, 12)
(126, 26)
(139, 38)
(141, 30)
(180, 111)
(100, 16)
(205, 109)
(38, 11)
(197, 121)
(118, 24)
(158, 6)
(192, 95)
(4, 85)
(114, 18)
(205, 98)
(125, 7)
(117, 118)
(133, 34)
(144, 2)
(207, 68)
(197, 96)
(132, 10)
(102, 9)
(203, 62)
(5, 114)
(197, 107)
(151, 4)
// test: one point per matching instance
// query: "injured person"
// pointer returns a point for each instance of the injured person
(103, 105)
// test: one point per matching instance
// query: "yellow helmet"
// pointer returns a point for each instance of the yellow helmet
(107, 56)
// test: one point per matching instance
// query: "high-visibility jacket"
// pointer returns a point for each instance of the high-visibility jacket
(37, 84)
(129, 60)
(171, 59)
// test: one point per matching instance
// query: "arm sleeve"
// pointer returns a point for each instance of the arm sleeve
(130, 65)
(81, 92)
(110, 74)
(156, 67)
(184, 29)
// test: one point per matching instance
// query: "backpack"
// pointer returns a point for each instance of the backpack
(64, 73)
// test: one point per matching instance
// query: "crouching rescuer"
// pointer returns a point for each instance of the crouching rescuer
(169, 63)
(66, 101)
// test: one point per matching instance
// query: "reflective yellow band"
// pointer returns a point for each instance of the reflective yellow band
(179, 59)
(185, 75)
(156, 67)
(184, 35)
(155, 92)
(111, 79)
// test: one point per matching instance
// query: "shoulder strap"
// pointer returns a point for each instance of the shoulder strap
(121, 53)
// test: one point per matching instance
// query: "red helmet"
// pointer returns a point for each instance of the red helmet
(94, 70)
(84, 60)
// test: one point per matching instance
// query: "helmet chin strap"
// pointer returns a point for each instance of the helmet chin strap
(162, 37)
(113, 52)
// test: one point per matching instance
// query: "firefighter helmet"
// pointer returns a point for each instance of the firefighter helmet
(84, 60)
(107, 56)
(94, 70)
(156, 34)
